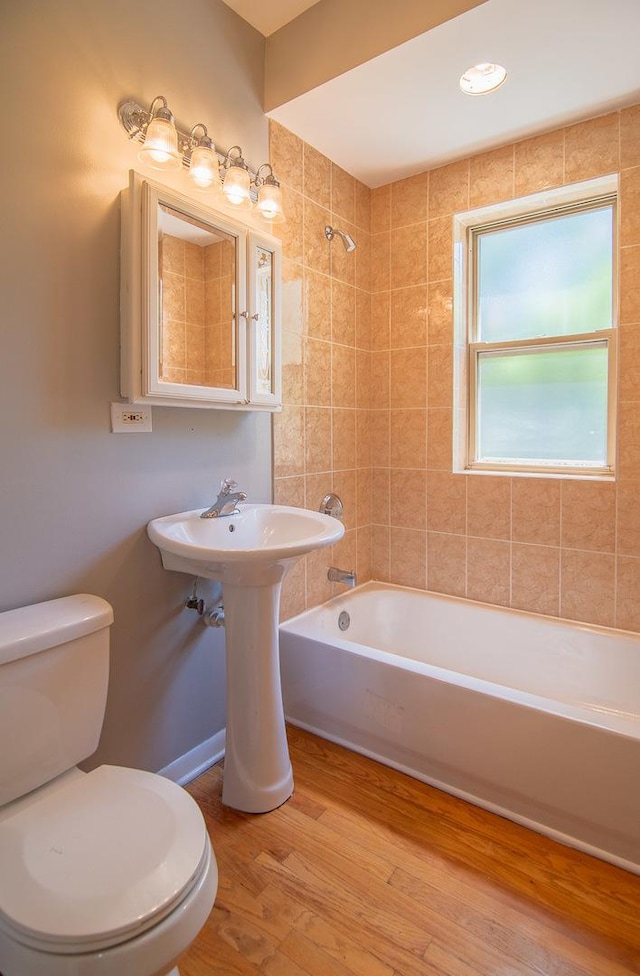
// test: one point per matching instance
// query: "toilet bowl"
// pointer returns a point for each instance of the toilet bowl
(106, 872)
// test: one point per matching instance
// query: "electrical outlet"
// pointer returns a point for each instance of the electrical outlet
(127, 418)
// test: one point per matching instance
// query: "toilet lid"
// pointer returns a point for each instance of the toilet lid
(99, 859)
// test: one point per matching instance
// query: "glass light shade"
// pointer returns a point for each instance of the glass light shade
(204, 168)
(482, 78)
(236, 186)
(160, 148)
(270, 202)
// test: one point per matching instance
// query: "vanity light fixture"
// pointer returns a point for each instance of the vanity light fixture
(164, 146)
(269, 195)
(237, 181)
(482, 78)
(204, 167)
(160, 149)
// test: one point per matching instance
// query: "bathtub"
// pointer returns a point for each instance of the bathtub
(531, 717)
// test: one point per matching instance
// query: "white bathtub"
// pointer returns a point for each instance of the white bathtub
(531, 717)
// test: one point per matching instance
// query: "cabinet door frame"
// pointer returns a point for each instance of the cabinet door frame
(141, 381)
(258, 241)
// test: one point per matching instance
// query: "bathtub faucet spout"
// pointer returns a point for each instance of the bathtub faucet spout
(347, 576)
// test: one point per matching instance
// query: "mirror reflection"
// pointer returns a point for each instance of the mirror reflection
(264, 319)
(196, 301)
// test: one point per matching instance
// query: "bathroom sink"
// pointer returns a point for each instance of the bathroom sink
(249, 552)
(258, 538)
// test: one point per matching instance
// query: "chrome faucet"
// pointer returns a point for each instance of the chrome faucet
(347, 576)
(227, 500)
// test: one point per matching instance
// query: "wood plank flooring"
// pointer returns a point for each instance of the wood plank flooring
(367, 872)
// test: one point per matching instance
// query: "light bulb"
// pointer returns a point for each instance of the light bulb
(482, 78)
(236, 186)
(160, 148)
(204, 168)
(270, 202)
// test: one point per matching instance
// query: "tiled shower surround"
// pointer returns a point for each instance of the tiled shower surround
(368, 388)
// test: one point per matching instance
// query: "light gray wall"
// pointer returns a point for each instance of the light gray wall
(74, 498)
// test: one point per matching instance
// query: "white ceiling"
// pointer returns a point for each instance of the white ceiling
(403, 112)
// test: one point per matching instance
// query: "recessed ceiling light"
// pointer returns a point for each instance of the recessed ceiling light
(482, 79)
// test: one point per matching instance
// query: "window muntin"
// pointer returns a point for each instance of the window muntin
(541, 352)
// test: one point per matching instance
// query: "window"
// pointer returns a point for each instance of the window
(535, 314)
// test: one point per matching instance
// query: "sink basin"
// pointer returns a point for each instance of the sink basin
(241, 547)
(249, 553)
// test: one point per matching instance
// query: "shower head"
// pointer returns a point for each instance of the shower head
(347, 239)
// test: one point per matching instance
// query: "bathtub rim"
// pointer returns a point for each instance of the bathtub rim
(606, 720)
(565, 622)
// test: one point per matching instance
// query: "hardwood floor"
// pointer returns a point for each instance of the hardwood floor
(367, 872)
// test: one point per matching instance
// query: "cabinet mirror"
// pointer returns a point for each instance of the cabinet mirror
(201, 304)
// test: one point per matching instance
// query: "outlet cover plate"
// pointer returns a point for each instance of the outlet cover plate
(130, 418)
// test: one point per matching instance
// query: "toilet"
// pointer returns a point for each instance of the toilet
(106, 873)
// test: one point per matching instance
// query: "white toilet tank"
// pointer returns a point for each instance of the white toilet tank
(54, 673)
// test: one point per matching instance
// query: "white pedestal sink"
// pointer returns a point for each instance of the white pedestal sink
(249, 553)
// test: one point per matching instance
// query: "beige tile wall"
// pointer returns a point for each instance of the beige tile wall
(562, 547)
(322, 436)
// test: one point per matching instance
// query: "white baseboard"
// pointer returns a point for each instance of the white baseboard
(185, 768)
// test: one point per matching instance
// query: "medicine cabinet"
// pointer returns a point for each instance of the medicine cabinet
(200, 304)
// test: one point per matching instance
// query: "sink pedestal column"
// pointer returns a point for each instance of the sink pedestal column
(257, 769)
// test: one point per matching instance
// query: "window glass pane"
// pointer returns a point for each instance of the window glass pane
(543, 406)
(547, 277)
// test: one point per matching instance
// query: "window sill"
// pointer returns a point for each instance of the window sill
(563, 474)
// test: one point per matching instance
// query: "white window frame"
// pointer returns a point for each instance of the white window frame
(466, 228)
